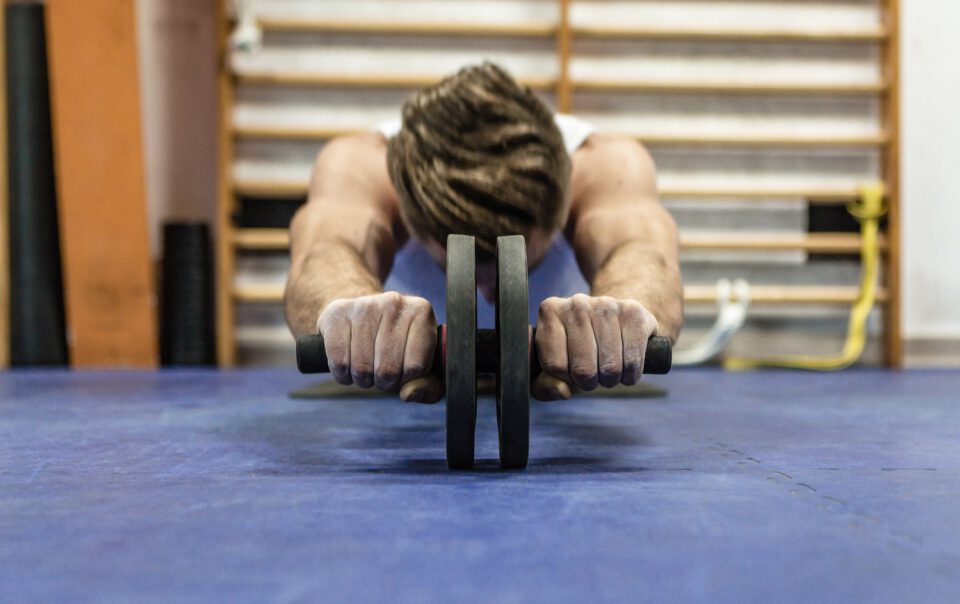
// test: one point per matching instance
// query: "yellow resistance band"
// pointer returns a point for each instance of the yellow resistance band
(868, 210)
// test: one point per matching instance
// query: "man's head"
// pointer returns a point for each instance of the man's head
(480, 155)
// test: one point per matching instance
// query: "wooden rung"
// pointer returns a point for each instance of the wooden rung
(783, 294)
(740, 34)
(820, 195)
(348, 80)
(394, 27)
(294, 132)
(270, 188)
(261, 239)
(781, 140)
(819, 243)
(693, 294)
(875, 140)
(258, 294)
(823, 243)
(728, 87)
(547, 29)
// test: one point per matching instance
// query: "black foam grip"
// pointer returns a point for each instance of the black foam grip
(312, 356)
(38, 333)
(659, 357)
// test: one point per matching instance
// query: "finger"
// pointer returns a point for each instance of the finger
(606, 328)
(581, 344)
(636, 328)
(363, 334)
(388, 350)
(421, 344)
(548, 388)
(551, 343)
(427, 389)
(336, 342)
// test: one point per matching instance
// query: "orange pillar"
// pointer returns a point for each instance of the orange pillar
(95, 92)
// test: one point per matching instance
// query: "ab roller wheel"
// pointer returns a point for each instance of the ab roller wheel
(463, 352)
(513, 347)
(459, 351)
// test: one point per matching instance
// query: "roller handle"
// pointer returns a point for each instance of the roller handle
(312, 356)
(656, 361)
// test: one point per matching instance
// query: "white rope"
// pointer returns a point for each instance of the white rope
(732, 313)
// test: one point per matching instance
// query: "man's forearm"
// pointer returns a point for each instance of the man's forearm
(638, 271)
(329, 271)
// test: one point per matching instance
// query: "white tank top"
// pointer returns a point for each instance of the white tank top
(574, 130)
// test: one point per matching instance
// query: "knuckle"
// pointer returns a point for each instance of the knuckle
(605, 310)
(610, 370)
(341, 373)
(631, 310)
(609, 304)
(421, 308)
(387, 373)
(550, 305)
(581, 304)
(414, 369)
(554, 367)
(362, 370)
(583, 374)
(391, 303)
(332, 312)
(417, 303)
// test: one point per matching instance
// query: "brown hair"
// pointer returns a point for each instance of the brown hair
(479, 155)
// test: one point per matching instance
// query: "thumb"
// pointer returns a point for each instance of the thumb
(548, 388)
(425, 389)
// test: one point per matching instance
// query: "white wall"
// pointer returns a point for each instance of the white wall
(178, 55)
(931, 168)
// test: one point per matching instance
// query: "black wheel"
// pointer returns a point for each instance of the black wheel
(459, 351)
(513, 374)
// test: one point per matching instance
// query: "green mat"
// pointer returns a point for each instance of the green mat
(485, 388)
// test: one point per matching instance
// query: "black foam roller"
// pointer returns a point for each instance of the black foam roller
(38, 334)
(186, 314)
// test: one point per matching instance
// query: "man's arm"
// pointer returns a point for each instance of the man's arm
(627, 248)
(625, 241)
(342, 244)
(342, 239)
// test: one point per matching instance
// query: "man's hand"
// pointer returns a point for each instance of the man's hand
(386, 340)
(586, 341)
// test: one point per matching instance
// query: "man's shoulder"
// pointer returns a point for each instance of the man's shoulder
(607, 158)
(603, 147)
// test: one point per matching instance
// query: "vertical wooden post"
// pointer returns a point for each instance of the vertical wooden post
(4, 205)
(101, 185)
(564, 91)
(226, 342)
(893, 337)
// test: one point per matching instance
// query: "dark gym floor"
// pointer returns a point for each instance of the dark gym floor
(216, 486)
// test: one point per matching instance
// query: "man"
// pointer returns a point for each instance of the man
(478, 154)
